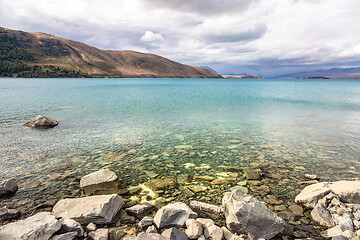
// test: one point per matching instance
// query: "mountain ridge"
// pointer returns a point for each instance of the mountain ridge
(332, 73)
(62, 53)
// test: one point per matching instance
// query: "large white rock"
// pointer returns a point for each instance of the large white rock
(99, 209)
(173, 215)
(103, 181)
(245, 214)
(38, 227)
(348, 191)
(311, 194)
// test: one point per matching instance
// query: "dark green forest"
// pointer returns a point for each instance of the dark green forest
(14, 58)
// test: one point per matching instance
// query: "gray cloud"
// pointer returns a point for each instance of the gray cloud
(202, 7)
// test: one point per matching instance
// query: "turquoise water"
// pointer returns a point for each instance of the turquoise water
(308, 126)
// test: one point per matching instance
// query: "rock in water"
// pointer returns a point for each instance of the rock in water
(103, 181)
(38, 227)
(173, 215)
(41, 122)
(99, 209)
(8, 187)
(245, 214)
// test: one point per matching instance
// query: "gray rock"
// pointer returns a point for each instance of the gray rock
(116, 233)
(150, 236)
(7, 187)
(140, 210)
(70, 225)
(41, 122)
(173, 215)
(346, 224)
(194, 229)
(202, 237)
(146, 221)
(130, 238)
(205, 221)
(175, 234)
(99, 209)
(322, 216)
(8, 214)
(103, 181)
(99, 234)
(245, 214)
(211, 231)
(341, 237)
(64, 236)
(311, 194)
(38, 227)
(151, 229)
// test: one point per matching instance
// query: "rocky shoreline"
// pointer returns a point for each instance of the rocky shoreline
(101, 213)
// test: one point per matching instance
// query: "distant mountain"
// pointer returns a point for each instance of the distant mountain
(209, 68)
(24, 54)
(334, 73)
(248, 76)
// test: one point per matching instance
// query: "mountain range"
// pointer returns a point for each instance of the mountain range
(25, 54)
(333, 73)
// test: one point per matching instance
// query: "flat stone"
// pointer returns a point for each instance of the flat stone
(229, 235)
(41, 122)
(173, 215)
(221, 181)
(311, 194)
(164, 183)
(174, 234)
(7, 187)
(38, 227)
(90, 227)
(140, 210)
(197, 188)
(252, 173)
(99, 234)
(246, 214)
(203, 178)
(100, 209)
(103, 181)
(297, 209)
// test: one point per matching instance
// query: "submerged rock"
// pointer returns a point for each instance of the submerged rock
(245, 214)
(103, 181)
(252, 173)
(164, 183)
(41, 122)
(99, 209)
(8, 187)
(38, 227)
(173, 215)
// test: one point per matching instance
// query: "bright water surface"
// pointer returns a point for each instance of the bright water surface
(173, 126)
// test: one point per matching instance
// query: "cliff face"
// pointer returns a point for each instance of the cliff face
(67, 54)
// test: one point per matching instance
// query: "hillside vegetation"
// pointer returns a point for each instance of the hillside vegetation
(25, 54)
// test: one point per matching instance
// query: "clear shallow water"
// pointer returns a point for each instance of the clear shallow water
(306, 126)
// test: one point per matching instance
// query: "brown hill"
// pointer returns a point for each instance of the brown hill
(68, 54)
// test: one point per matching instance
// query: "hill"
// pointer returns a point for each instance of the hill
(24, 54)
(334, 73)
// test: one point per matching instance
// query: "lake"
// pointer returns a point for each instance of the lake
(144, 129)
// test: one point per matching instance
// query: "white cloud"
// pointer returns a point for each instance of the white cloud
(255, 36)
(149, 36)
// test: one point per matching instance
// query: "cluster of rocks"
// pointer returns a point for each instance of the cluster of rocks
(79, 218)
(335, 206)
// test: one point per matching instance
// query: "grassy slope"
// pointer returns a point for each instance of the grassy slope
(68, 54)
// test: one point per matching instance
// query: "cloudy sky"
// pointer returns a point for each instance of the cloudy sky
(265, 37)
